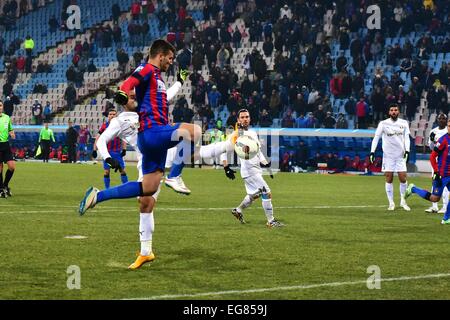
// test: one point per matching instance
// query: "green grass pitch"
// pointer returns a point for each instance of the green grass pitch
(337, 226)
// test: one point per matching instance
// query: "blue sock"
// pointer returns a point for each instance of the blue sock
(107, 181)
(176, 170)
(124, 178)
(127, 190)
(178, 163)
(446, 214)
(421, 193)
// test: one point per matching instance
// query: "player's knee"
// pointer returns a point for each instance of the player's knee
(146, 204)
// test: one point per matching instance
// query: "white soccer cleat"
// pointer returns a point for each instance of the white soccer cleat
(443, 210)
(432, 210)
(405, 206)
(178, 185)
(391, 207)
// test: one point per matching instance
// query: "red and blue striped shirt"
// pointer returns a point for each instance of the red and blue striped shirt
(151, 96)
(115, 145)
(441, 151)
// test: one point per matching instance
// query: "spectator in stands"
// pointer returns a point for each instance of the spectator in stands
(320, 115)
(288, 120)
(70, 95)
(214, 97)
(275, 104)
(135, 10)
(20, 63)
(329, 122)
(222, 56)
(91, 66)
(265, 119)
(47, 112)
(8, 106)
(378, 104)
(115, 9)
(412, 102)
(122, 58)
(311, 121)
(40, 88)
(36, 112)
(341, 122)
(362, 113)
(28, 44)
(53, 24)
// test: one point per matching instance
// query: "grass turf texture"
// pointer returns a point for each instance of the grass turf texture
(200, 247)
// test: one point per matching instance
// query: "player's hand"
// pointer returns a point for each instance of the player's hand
(182, 75)
(372, 157)
(432, 136)
(94, 154)
(121, 97)
(229, 172)
(113, 163)
(406, 156)
(267, 165)
(123, 153)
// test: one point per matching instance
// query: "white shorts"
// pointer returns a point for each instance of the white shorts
(171, 153)
(393, 165)
(254, 183)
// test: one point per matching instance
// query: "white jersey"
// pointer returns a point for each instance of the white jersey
(252, 166)
(395, 138)
(438, 134)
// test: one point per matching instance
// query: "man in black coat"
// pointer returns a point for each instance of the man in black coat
(71, 142)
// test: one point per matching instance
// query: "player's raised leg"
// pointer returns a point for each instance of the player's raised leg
(191, 134)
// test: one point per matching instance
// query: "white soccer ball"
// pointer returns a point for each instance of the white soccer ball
(246, 147)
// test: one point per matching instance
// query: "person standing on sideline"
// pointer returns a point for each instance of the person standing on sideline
(435, 135)
(45, 136)
(71, 142)
(396, 145)
(83, 138)
(6, 155)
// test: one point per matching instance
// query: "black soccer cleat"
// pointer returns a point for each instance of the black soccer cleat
(2, 193)
(7, 191)
(238, 215)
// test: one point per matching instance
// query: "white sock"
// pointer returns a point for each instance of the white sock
(212, 151)
(403, 187)
(245, 203)
(390, 192)
(445, 195)
(268, 209)
(146, 228)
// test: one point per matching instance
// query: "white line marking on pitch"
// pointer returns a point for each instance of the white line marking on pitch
(106, 208)
(286, 288)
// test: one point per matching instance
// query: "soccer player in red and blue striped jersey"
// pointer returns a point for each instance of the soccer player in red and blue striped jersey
(155, 135)
(440, 161)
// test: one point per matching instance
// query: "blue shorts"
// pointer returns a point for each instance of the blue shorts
(82, 147)
(114, 155)
(153, 144)
(438, 187)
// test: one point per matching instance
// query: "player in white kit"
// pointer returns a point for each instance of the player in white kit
(435, 135)
(251, 172)
(394, 133)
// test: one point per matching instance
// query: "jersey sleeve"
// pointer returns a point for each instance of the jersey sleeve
(109, 134)
(406, 136)
(377, 137)
(430, 142)
(102, 129)
(433, 161)
(173, 90)
(440, 145)
(139, 75)
(10, 128)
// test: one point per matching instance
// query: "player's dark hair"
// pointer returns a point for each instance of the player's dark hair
(240, 111)
(112, 110)
(394, 105)
(161, 46)
(441, 114)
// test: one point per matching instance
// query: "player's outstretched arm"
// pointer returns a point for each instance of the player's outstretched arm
(106, 136)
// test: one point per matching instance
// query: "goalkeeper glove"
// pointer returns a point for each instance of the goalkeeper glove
(182, 75)
(121, 97)
(123, 153)
(94, 154)
(113, 164)
(406, 156)
(372, 157)
(229, 172)
(267, 165)
(432, 136)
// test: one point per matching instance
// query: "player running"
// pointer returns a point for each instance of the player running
(435, 135)
(396, 145)
(251, 172)
(440, 161)
(6, 156)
